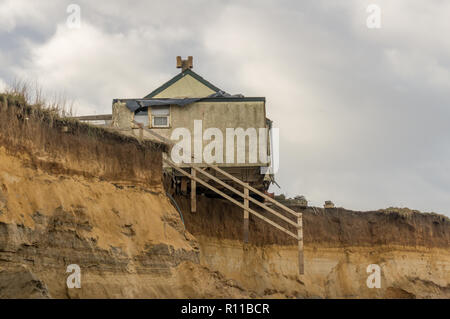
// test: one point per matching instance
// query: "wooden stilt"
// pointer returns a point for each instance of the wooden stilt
(301, 269)
(231, 199)
(246, 205)
(184, 182)
(193, 192)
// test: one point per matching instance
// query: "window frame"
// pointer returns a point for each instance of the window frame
(152, 118)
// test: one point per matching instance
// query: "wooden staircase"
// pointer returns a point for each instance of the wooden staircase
(294, 219)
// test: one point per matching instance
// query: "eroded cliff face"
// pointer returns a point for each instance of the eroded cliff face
(92, 198)
(412, 250)
(128, 241)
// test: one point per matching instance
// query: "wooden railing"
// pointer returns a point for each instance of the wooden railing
(193, 176)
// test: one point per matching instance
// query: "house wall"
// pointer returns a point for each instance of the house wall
(185, 87)
(122, 117)
(221, 115)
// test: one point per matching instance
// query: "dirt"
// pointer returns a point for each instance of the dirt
(412, 250)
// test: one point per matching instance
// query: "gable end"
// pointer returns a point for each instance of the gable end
(179, 77)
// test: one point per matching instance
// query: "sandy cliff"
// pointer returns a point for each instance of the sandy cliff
(412, 250)
(73, 194)
(128, 241)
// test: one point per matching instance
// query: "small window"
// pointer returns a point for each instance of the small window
(142, 117)
(160, 116)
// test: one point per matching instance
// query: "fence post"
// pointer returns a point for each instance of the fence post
(246, 205)
(301, 269)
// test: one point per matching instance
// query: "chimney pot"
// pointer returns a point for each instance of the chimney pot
(185, 64)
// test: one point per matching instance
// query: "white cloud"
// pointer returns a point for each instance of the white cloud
(36, 14)
(91, 65)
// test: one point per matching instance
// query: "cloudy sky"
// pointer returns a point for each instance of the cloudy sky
(363, 113)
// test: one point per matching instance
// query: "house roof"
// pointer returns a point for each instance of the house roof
(207, 92)
(139, 104)
(179, 77)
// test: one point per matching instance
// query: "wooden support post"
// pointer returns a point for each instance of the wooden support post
(246, 205)
(184, 182)
(231, 199)
(193, 192)
(301, 269)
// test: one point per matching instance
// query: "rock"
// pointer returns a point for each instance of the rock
(21, 282)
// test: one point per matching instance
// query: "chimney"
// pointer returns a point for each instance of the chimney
(184, 64)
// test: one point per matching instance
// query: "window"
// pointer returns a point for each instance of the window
(160, 116)
(160, 121)
(142, 117)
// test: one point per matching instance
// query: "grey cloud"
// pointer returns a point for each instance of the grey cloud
(363, 114)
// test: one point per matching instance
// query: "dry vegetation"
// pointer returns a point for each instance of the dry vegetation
(406, 212)
(40, 133)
